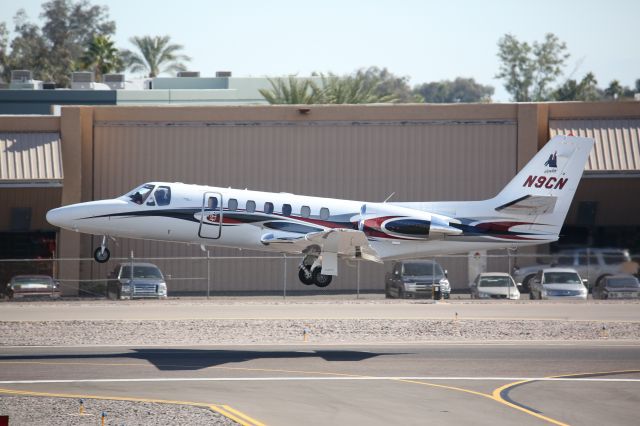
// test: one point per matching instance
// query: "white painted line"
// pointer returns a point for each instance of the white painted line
(315, 378)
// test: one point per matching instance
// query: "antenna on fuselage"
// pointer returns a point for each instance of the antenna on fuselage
(389, 197)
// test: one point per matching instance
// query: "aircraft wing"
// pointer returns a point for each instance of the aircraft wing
(348, 243)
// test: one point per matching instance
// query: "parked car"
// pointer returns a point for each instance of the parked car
(558, 283)
(146, 281)
(591, 263)
(622, 286)
(494, 285)
(414, 278)
(33, 286)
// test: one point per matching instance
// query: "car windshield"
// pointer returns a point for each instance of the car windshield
(623, 282)
(31, 280)
(141, 272)
(417, 269)
(494, 282)
(561, 278)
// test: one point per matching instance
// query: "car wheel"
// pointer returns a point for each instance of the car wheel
(401, 294)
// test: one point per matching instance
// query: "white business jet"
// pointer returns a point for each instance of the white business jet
(529, 210)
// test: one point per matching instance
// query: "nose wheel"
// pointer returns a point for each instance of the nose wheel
(102, 253)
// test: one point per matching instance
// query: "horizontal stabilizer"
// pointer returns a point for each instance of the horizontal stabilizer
(529, 205)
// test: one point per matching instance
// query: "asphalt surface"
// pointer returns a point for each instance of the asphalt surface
(453, 383)
(310, 308)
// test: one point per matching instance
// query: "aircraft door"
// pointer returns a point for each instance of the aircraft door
(211, 216)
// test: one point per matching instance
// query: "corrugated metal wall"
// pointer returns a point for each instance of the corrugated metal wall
(30, 157)
(365, 161)
(617, 146)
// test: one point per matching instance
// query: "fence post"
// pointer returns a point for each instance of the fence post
(208, 274)
(284, 292)
(357, 279)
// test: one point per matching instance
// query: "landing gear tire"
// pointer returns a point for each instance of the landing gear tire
(304, 279)
(319, 279)
(100, 255)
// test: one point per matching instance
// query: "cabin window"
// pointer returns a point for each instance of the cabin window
(324, 213)
(286, 209)
(268, 207)
(232, 204)
(212, 204)
(251, 206)
(163, 195)
(305, 211)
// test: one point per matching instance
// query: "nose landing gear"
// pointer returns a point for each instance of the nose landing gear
(102, 253)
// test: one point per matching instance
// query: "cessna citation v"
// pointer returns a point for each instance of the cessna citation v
(529, 210)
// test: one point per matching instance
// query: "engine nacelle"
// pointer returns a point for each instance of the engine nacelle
(384, 220)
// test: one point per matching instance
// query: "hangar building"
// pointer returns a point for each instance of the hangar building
(417, 151)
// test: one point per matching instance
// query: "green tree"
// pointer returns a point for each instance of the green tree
(292, 90)
(156, 55)
(584, 90)
(614, 91)
(53, 51)
(388, 85)
(102, 57)
(529, 70)
(458, 90)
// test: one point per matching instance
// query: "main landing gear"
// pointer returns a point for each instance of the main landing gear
(102, 253)
(310, 273)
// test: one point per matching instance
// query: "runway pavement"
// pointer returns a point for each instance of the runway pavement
(435, 383)
(310, 308)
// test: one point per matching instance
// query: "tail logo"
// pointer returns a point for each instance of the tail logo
(546, 182)
(552, 162)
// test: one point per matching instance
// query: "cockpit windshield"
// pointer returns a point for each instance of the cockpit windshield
(140, 194)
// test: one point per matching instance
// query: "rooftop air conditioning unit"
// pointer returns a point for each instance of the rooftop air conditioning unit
(223, 73)
(188, 73)
(114, 81)
(82, 80)
(22, 76)
(23, 79)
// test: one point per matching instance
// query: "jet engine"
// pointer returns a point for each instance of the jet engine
(384, 220)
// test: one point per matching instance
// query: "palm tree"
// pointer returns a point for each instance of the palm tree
(102, 57)
(292, 91)
(157, 55)
(353, 89)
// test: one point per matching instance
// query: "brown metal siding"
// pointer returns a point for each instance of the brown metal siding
(30, 158)
(419, 161)
(40, 200)
(617, 146)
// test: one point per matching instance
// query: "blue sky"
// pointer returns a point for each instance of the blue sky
(425, 40)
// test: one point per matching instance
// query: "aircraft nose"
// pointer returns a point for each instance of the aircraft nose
(59, 217)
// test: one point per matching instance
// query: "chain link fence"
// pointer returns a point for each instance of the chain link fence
(278, 275)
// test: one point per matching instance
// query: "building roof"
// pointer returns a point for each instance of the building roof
(30, 159)
(617, 148)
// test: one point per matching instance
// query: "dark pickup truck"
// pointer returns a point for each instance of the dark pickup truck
(146, 281)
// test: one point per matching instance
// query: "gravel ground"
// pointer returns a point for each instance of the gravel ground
(35, 411)
(191, 332)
